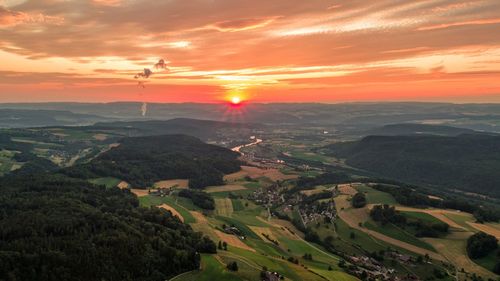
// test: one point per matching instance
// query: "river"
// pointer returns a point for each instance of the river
(238, 148)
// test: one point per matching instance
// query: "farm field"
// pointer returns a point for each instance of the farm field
(374, 196)
(356, 217)
(453, 248)
(177, 183)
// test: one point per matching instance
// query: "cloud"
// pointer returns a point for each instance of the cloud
(11, 18)
(242, 24)
(463, 23)
(107, 2)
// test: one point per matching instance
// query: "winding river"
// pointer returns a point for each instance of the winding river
(238, 148)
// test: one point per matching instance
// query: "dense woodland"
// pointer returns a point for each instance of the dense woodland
(199, 198)
(56, 228)
(142, 161)
(469, 162)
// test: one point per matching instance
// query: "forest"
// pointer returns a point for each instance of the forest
(469, 162)
(142, 161)
(56, 228)
(408, 195)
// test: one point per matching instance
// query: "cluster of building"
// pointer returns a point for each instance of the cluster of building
(318, 212)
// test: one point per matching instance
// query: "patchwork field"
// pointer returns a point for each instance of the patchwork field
(453, 248)
(224, 188)
(223, 207)
(255, 173)
(357, 217)
(347, 189)
(177, 183)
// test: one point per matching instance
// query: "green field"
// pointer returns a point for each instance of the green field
(108, 181)
(374, 196)
(489, 261)
(396, 232)
(212, 270)
(421, 216)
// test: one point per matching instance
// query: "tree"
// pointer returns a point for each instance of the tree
(480, 245)
(496, 268)
(219, 246)
(352, 235)
(224, 245)
(359, 200)
(233, 266)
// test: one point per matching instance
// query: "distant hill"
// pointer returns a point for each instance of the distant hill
(185, 126)
(20, 118)
(141, 161)
(467, 162)
(418, 129)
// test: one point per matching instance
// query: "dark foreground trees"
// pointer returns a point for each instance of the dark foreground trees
(56, 228)
(480, 245)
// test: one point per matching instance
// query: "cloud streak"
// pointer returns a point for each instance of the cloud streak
(263, 47)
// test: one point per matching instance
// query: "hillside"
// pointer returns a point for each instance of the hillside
(199, 128)
(21, 118)
(56, 228)
(466, 162)
(141, 161)
(418, 129)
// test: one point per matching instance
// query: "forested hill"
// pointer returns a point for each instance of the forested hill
(60, 229)
(466, 162)
(141, 161)
(199, 128)
(418, 129)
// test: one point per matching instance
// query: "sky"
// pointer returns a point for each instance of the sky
(259, 50)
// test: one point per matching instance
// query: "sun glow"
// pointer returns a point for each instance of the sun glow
(235, 100)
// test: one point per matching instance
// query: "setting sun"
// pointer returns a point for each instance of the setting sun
(235, 100)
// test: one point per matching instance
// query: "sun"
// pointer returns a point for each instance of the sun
(235, 100)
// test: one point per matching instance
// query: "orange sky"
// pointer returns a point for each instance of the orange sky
(261, 50)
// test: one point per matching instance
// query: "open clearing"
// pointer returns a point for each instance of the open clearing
(453, 248)
(232, 240)
(100, 137)
(255, 172)
(261, 231)
(347, 189)
(355, 216)
(123, 185)
(222, 188)
(172, 210)
(177, 183)
(140, 192)
(223, 207)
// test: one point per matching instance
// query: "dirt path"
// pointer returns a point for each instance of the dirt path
(355, 216)
(486, 228)
(172, 210)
